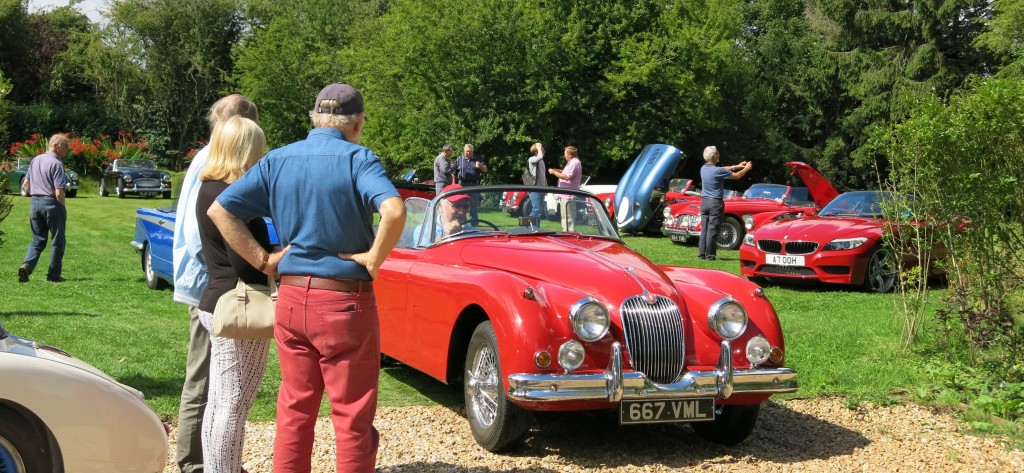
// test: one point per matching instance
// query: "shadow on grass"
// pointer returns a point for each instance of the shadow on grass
(153, 387)
(40, 313)
(446, 395)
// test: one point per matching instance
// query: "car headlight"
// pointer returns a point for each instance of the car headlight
(165, 177)
(727, 318)
(589, 319)
(127, 178)
(571, 355)
(758, 350)
(667, 213)
(845, 244)
(748, 222)
(748, 239)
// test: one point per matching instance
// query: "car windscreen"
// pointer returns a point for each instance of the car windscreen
(854, 204)
(766, 191)
(474, 212)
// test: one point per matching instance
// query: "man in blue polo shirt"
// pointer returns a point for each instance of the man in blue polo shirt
(712, 205)
(47, 215)
(321, 193)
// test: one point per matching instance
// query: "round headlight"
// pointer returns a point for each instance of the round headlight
(127, 178)
(667, 213)
(758, 350)
(589, 319)
(727, 318)
(165, 177)
(571, 354)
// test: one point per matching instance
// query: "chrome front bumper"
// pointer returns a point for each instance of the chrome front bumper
(613, 385)
(680, 233)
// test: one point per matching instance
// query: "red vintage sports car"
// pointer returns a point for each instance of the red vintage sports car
(842, 244)
(535, 314)
(682, 220)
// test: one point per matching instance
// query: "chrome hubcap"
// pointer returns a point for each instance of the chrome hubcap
(726, 236)
(483, 386)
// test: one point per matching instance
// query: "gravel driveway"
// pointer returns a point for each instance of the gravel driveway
(793, 435)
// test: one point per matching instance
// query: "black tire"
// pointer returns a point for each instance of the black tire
(73, 193)
(497, 424)
(119, 189)
(23, 447)
(882, 271)
(152, 280)
(103, 188)
(526, 206)
(731, 426)
(167, 194)
(730, 234)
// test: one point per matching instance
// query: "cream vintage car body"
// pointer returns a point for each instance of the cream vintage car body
(60, 414)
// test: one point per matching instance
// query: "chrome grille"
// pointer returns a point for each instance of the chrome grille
(801, 247)
(147, 183)
(770, 246)
(654, 337)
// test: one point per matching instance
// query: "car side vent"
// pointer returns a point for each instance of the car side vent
(654, 337)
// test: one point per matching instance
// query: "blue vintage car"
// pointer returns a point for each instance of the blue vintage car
(154, 238)
(637, 206)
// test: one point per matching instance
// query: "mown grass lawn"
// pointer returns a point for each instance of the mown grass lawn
(841, 341)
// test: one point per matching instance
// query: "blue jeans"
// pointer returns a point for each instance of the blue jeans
(537, 201)
(46, 216)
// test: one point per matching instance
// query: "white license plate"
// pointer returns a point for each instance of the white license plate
(668, 410)
(784, 260)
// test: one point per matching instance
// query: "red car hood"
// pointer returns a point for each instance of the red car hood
(592, 266)
(820, 189)
(820, 229)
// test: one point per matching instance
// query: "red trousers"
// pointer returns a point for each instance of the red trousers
(331, 340)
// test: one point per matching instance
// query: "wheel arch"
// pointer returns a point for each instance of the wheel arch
(39, 428)
(462, 332)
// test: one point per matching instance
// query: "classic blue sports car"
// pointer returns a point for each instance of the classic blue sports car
(154, 238)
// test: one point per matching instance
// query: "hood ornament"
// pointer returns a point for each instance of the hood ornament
(649, 298)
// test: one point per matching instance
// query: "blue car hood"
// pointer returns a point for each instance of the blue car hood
(633, 207)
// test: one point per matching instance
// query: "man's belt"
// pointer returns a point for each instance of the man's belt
(328, 284)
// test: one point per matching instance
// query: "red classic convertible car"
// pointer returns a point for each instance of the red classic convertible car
(682, 220)
(842, 244)
(532, 314)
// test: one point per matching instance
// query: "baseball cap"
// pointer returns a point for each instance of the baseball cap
(346, 100)
(457, 197)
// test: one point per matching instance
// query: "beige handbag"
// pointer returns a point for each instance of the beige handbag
(246, 312)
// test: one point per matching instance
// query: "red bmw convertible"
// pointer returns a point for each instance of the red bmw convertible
(535, 314)
(842, 244)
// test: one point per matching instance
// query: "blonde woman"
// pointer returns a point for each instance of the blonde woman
(236, 366)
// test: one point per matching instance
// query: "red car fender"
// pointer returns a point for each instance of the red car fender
(694, 285)
(442, 318)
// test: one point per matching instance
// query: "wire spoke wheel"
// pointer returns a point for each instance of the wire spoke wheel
(496, 422)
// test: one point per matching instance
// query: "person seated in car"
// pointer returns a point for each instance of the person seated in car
(450, 215)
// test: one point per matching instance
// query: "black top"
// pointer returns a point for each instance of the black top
(224, 265)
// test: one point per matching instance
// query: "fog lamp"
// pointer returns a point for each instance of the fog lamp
(571, 354)
(758, 350)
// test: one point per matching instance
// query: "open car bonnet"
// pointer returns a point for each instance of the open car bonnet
(633, 194)
(820, 189)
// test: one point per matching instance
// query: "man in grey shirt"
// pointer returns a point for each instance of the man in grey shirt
(47, 214)
(443, 168)
(712, 205)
